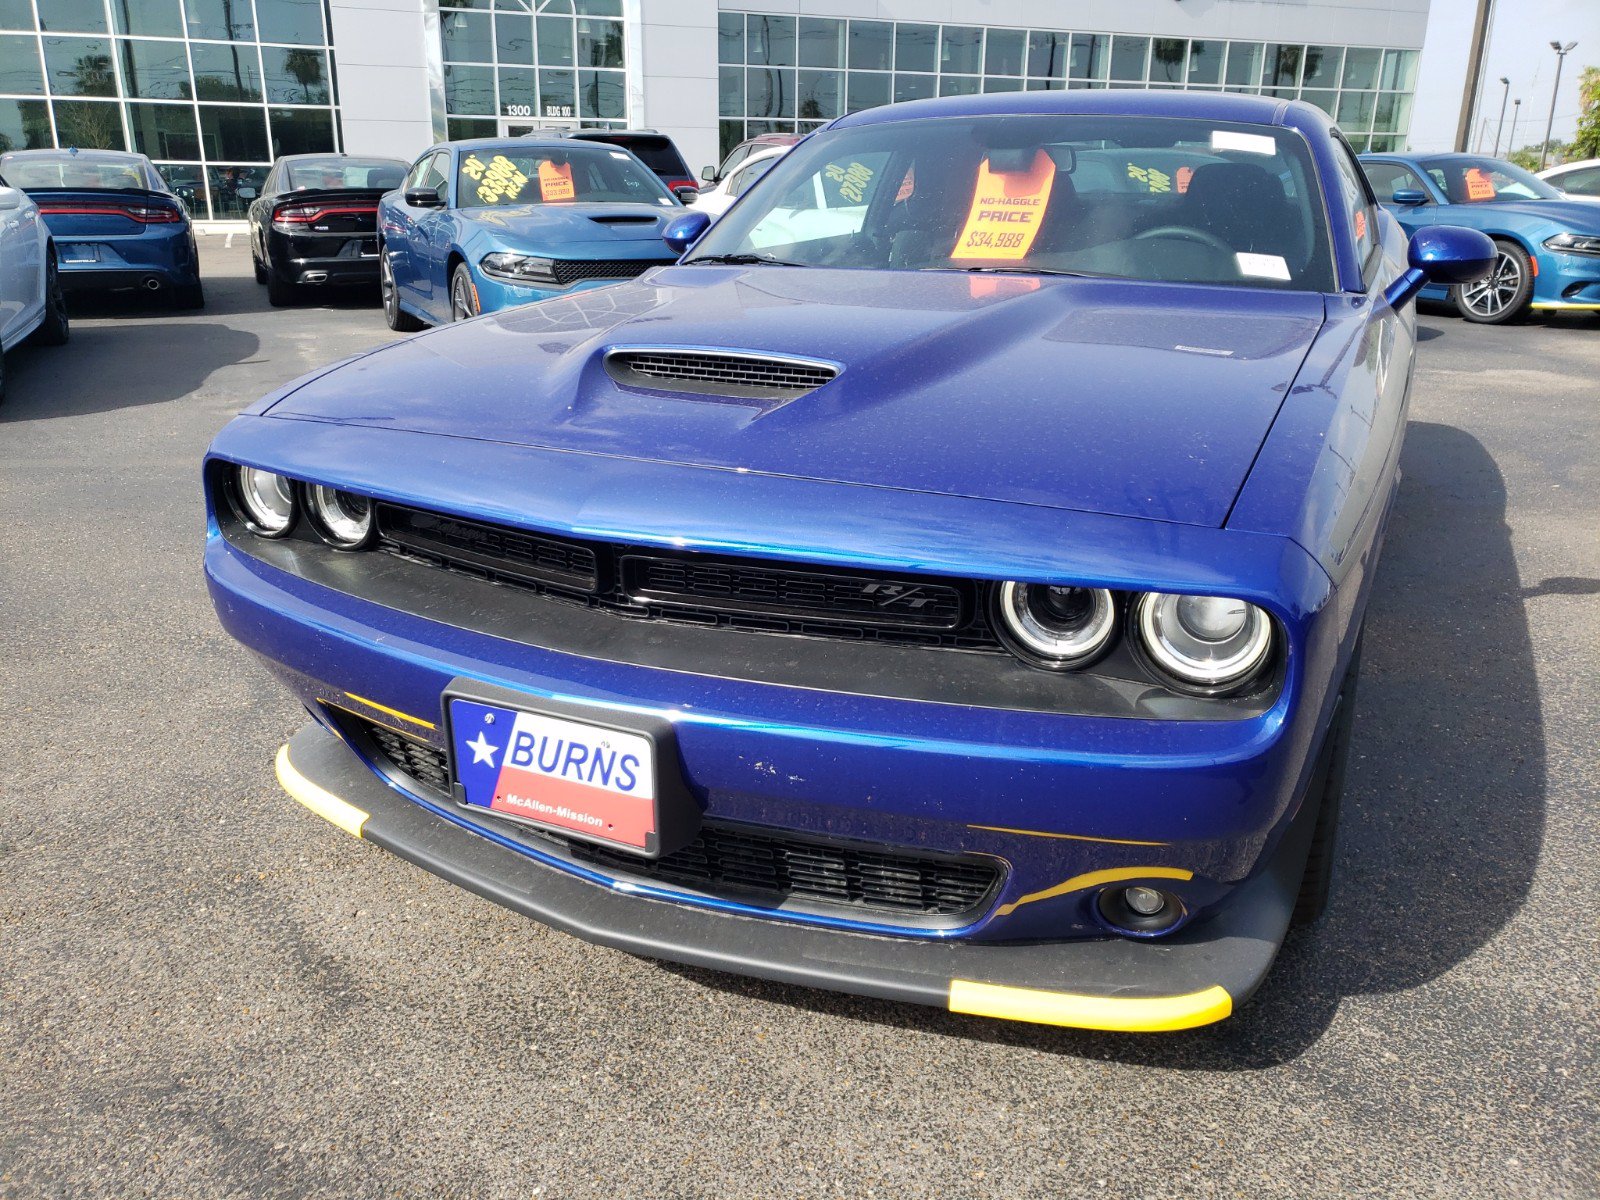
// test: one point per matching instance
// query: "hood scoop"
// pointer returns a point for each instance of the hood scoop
(625, 219)
(734, 374)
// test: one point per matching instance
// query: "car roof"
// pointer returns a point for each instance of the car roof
(1563, 168)
(73, 152)
(340, 154)
(520, 143)
(1215, 106)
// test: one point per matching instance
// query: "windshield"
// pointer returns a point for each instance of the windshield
(503, 175)
(1485, 180)
(71, 171)
(1133, 197)
(338, 172)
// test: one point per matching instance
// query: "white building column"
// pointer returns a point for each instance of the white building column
(385, 90)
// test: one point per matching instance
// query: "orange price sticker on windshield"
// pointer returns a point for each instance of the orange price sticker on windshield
(555, 183)
(1361, 225)
(1479, 186)
(1007, 207)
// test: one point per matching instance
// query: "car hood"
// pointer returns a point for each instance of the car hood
(1134, 399)
(566, 223)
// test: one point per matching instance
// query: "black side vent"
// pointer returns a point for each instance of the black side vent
(625, 219)
(718, 373)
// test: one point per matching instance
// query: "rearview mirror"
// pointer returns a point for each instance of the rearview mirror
(683, 232)
(1408, 196)
(424, 197)
(686, 195)
(1442, 254)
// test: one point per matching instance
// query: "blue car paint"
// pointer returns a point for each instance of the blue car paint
(1285, 507)
(1529, 223)
(125, 253)
(425, 244)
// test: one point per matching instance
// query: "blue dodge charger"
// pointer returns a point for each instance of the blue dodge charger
(944, 584)
(1547, 246)
(484, 225)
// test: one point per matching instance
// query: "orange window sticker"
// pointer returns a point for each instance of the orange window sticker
(1007, 207)
(1361, 224)
(1184, 174)
(555, 183)
(908, 185)
(1479, 186)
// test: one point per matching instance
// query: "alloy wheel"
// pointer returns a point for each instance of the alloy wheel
(461, 305)
(386, 286)
(1490, 297)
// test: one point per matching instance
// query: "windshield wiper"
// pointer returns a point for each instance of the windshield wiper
(736, 260)
(1023, 271)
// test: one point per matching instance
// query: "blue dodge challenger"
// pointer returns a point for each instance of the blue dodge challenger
(1547, 246)
(945, 583)
(484, 225)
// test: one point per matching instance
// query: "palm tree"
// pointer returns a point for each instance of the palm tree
(306, 67)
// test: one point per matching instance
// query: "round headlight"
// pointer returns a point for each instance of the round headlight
(342, 518)
(1206, 641)
(266, 501)
(1056, 626)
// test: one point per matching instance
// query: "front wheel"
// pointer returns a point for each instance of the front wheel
(398, 318)
(463, 294)
(1503, 297)
(56, 326)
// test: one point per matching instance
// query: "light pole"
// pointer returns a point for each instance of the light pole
(1561, 57)
(1516, 111)
(1501, 128)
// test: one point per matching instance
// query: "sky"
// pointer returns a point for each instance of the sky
(1519, 49)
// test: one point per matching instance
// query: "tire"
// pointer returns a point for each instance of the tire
(189, 296)
(397, 318)
(56, 327)
(1317, 881)
(280, 293)
(1502, 298)
(2, 377)
(255, 261)
(463, 295)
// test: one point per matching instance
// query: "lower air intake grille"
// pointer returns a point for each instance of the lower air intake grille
(745, 862)
(752, 376)
(572, 270)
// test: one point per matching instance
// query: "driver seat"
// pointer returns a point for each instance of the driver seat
(1244, 205)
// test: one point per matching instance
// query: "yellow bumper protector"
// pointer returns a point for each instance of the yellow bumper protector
(1070, 837)
(393, 712)
(1095, 879)
(1124, 1014)
(1564, 305)
(318, 799)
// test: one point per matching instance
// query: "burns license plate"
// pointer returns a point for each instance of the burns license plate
(570, 770)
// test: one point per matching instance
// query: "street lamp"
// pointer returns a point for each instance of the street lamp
(1506, 80)
(1516, 111)
(1561, 57)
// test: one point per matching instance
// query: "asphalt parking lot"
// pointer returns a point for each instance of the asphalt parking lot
(205, 991)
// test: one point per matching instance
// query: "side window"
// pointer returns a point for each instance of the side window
(1387, 178)
(433, 174)
(1583, 182)
(735, 156)
(749, 175)
(1357, 196)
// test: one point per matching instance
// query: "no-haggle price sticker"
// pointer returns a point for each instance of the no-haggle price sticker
(1007, 207)
(555, 183)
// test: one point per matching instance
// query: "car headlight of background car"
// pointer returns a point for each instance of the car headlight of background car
(1574, 243)
(525, 269)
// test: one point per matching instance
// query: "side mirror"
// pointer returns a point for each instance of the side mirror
(424, 197)
(10, 199)
(1442, 254)
(683, 232)
(709, 174)
(686, 195)
(1408, 196)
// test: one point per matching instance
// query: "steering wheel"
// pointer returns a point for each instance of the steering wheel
(1187, 233)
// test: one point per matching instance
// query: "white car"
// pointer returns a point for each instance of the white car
(1579, 180)
(715, 201)
(31, 304)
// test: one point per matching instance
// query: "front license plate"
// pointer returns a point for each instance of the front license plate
(80, 254)
(588, 779)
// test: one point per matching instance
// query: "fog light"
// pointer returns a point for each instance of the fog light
(1147, 902)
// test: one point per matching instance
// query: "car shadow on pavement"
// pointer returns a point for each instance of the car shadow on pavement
(1444, 808)
(92, 372)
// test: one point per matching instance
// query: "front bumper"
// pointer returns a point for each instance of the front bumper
(1566, 282)
(1195, 977)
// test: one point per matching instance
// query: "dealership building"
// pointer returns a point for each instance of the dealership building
(214, 90)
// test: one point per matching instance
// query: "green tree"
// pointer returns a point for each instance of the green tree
(306, 67)
(1586, 143)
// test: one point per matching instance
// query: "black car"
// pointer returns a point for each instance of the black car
(651, 147)
(316, 221)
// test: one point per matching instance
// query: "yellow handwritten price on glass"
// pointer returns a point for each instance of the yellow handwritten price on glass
(1156, 181)
(852, 180)
(497, 180)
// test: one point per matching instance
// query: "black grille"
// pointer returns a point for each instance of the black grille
(741, 861)
(572, 270)
(647, 584)
(738, 375)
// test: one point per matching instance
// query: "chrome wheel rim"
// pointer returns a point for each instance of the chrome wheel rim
(386, 285)
(461, 300)
(1492, 296)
